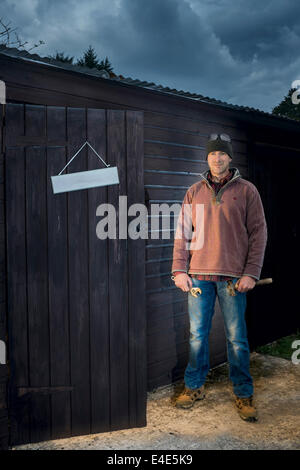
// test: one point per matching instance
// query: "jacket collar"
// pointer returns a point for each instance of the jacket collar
(236, 174)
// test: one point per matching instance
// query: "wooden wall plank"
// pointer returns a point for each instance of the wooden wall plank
(56, 125)
(164, 251)
(153, 162)
(37, 288)
(159, 267)
(118, 278)
(172, 150)
(161, 195)
(2, 233)
(170, 163)
(98, 282)
(166, 149)
(161, 177)
(4, 425)
(78, 278)
(35, 121)
(58, 280)
(161, 281)
(136, 269)
(200, 125)
(159, 299)
(15, 199)
(189, 139)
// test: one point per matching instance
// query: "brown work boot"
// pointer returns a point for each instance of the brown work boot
(188, 397)
(246, 408)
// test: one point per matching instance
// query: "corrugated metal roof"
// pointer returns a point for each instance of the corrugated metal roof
(24, 55)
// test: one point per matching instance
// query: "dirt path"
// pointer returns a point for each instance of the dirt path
(212, 423)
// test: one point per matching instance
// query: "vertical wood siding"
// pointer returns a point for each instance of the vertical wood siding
(76, 304)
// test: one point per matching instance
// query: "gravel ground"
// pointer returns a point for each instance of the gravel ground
(212, 423)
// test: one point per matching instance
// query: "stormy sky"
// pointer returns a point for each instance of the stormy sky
(239, 51)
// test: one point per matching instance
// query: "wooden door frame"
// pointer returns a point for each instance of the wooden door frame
(4, 370)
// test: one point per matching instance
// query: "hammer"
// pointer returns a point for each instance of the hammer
(261, 282)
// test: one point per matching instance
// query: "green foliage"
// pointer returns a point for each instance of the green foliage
(281, 347)
(105, 65)
(91, 61)
(287, 107)
(61, 57)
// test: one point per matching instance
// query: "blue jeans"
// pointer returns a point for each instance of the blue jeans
(201, 310)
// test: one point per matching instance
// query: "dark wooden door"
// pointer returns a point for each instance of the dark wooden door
(273, 308)
(75, 303)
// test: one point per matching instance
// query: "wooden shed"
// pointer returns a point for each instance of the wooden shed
(90, 325)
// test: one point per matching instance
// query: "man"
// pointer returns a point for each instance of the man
(226, 264)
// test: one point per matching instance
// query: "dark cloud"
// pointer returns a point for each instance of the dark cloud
(257, 27)
(241, 52)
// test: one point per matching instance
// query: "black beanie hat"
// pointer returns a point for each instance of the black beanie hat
(219, 144)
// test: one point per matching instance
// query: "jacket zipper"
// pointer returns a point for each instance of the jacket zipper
(217, 196)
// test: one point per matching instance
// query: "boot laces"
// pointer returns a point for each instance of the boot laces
(247, 401)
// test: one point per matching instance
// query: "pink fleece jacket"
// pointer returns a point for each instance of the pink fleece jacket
(232, 238)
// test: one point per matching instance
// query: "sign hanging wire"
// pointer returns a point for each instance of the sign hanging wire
(86, 142)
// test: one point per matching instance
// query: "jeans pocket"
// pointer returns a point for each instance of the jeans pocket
(235, 280)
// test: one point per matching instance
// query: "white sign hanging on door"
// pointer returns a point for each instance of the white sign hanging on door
(84, 179)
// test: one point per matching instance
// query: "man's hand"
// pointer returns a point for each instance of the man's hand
(245, 283)
(183, 281)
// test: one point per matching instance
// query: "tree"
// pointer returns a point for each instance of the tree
(287, 107)
(90, 60)
(6, 32)
(105, 65)
(61, 57)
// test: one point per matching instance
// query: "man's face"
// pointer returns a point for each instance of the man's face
(218, 162)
